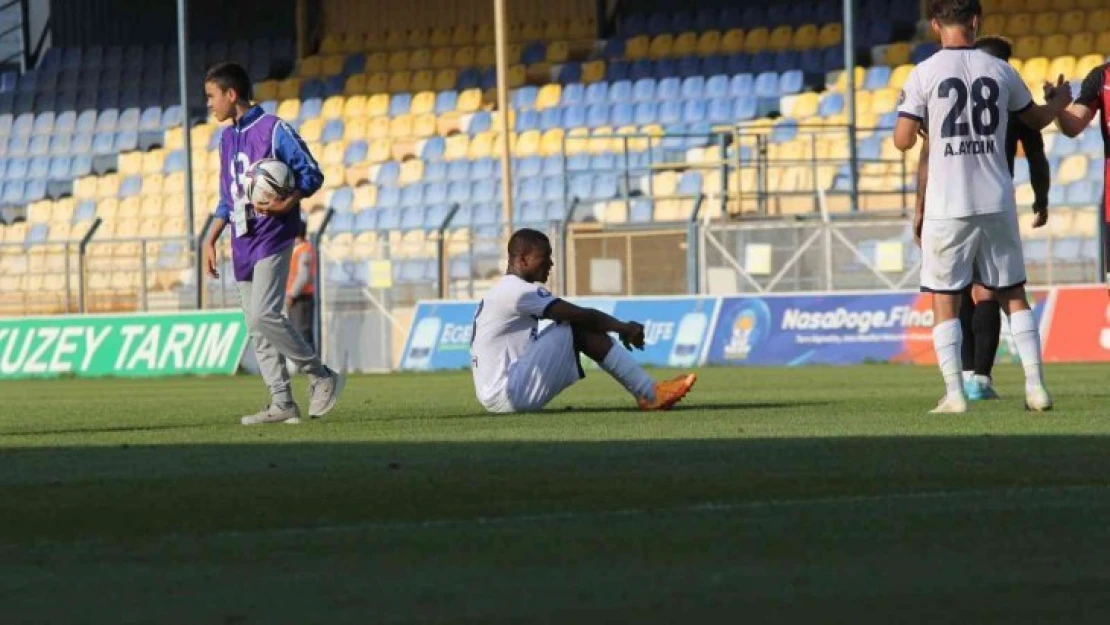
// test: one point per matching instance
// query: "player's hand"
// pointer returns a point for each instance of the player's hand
(1040, 215)
(210, 259)
(278, 206)
(1058, 94)
(632, 336)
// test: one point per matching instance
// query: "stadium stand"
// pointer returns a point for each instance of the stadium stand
(631, 128)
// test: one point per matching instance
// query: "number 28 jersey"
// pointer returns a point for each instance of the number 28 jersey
(964, 98)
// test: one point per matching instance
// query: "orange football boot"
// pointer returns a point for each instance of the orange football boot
(670, 392)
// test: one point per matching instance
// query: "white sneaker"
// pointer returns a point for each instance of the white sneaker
(951, 404)
(324, 393)
(1037, 399)
(290, 415)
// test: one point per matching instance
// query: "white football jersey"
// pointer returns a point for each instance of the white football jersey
(505, 325)
(964, 98)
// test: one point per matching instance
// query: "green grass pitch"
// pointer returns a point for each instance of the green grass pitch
(772, 495)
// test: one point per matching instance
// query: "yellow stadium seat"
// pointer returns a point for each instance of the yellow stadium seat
(355, 84)
(1089, 4)
(445, 80)
(897, 54)
(1097, 21)
(486, 57)
(805, 37)
(709, 43)
(1102, 39)
(400, 82)
(531, 31)
(151, 206)
(782, 38)
(1073, 22)
(266, 90)
(424, 80)
(130, 208)
(1027, 47)
(830, 35)
(377, 62)
(1055, 45)
(423, 102)
(354, 106)
(377, 105)
(800, 106)
(555, 30)
(378, 128)
(331, 65)
(483, 145)
(1019, 24)
(636, 48)
(289, 109)
(1086, 64)
(661, 46)
(107, 209)
(311, 129)
(757, 40)
(174, 139)
(398, 61)
(174, 203)
(396, 39)
(1016, 63)
(464, 57)
(310, 67)
(1039, 6)
(153, 184)
(1064, 65)
(333, 153)
(154, 161)
(380, 150)
(353, 42)
(1081, 44)
(841, 82)
(355, 129)
(289, 89)
(333, 176)
(1035, 69)
(593, 71)
(411, 171)
(558, 52)
(333, 107)
(420, 59)
(577, 141)
(442, 58)
(899, 75)
(400, 127)
(483, 33)
(548, 96)
(551, 142)
(377, 83)
(1046, 23)
(331, 44)
(732, 41)
(993, 22)
(470, 100)
(456, 147)
(1073, 168)
(448, 123)
(424, 126)
(527, 143)
(130, 163)
(462, 35)
(200, 134)
(685, 44)
(884, 100)
(366, 196)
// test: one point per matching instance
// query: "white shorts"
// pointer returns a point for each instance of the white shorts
(549, 367)
(985, 249)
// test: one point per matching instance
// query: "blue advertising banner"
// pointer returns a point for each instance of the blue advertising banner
(676, 329)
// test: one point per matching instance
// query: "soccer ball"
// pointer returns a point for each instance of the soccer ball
(269, 179)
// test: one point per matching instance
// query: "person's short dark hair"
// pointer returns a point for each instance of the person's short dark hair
(230, 76)
(955, 12)
(996, 46)
(302, 229)
(525, 240)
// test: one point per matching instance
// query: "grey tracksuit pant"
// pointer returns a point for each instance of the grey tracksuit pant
(274, 336)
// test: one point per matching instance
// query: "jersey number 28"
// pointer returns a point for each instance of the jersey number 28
(984, 107)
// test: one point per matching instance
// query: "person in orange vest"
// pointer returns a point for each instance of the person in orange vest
(300, 290)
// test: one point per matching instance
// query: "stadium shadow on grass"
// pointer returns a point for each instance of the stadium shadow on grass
(1007, 529)
(699, 408)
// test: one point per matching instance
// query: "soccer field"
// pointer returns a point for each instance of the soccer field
(771, 495)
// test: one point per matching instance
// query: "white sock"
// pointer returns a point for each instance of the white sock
(620, 364)
(1023, 327)
(983, 380)
(947, 336)
(968, 375)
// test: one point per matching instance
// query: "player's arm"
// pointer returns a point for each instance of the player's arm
(1034, 115)
(220, 218)
(922, 183)
(630, 333)
(911, 113)
(1040, 173)
(290, 149)
(1075, 118)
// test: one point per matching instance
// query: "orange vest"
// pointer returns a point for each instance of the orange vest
(299, 250)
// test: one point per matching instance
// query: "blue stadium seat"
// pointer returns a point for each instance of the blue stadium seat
(60, 168)
(1083, 192)
(578, 162)
(530, 166)
(694, 111)
(574, 93)
(597, 115)
(534, 52)
(446, 102)
(355, 153)
(469, 78)
(485, 169)
(342, 221)
(596, 93)
(551, 118)
(877, 77)
(458, 170)
(530, 213)
(689, 66)
(389, 217)
(831, 103)
(786, 61)
(923, 51)
(642, 68)
(343, 199)
(412, 217)
(552, 166)
(388, 174)
(531, 190)
(104, 143)
(435, 192)
(366, 220)
(432, 149)
(1056, 195)
(82, 165)
(693, 87)
(130, 186)
(480, 122)
(670, 112)
(745, 108)
(39, 168)
(616, 71)
(645, 113)
(13, 192)
(39, 145)
(791, 82)
(458, 192)
(553, 188)
(483, 191)
(524, 97)
(621, 114)
(310, 109)
(526, 119)
(644, 90)
(18, 168)
(570, 73)
(127, 141)
(767, 85)
(400, 104)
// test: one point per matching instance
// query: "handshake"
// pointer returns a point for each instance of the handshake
(1059, 94)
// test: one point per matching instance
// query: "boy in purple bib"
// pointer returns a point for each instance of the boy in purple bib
(262, 241)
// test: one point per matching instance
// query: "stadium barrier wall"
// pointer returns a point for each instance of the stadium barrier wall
(787, 329)
(130, 345)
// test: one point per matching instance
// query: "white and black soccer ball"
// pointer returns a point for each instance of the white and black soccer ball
(269, 179)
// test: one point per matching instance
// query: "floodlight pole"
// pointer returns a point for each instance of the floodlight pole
(850, 67)
(183, 83)
(501, 45)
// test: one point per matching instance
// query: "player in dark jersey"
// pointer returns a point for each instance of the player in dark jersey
(1094, 97)
(980, 315)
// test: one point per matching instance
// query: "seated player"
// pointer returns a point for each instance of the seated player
(517, 369)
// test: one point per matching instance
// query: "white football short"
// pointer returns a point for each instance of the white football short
(985, 249)
(549, 367)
